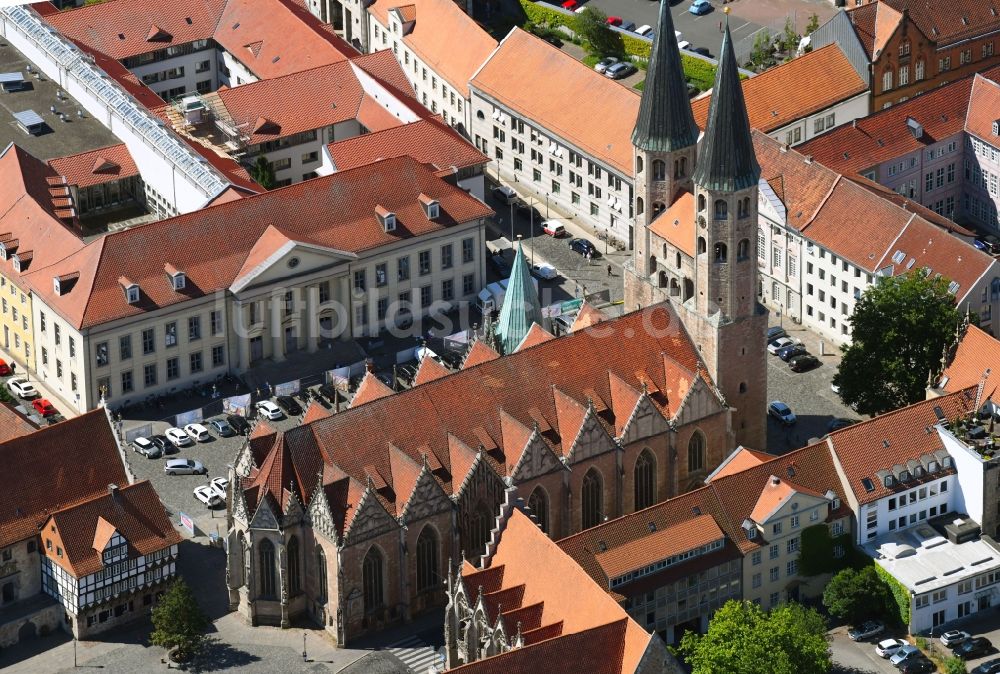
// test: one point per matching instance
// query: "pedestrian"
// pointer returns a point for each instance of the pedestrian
(609, 270)
(720, 26)
(588, 257)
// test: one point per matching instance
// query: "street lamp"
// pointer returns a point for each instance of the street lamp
(511, 220)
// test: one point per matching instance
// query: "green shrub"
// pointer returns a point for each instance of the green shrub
(899, 602)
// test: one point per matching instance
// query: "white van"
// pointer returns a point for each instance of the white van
(644, 29)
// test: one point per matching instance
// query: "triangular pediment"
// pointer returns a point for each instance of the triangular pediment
(428, 498)
(536, 459)
(319, 513)
(370, 520)
(265, 517)
(699, 401)
(592, 440)
(644, 422)
(276, 256)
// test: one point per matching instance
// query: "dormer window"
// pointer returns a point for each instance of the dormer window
(56, 286)
(431, 206)
(752, 533)
(889, 481)
(178, 279)
(387, 218)
(996, 128)
(904, 476)
(131, 290)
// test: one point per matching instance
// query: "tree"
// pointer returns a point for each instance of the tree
(742, 637)
(762, 52)
(789, 39)
(178, 622)
(900, 329)
(813, 24)
(855, 595)
(263, 172)
(591, 25)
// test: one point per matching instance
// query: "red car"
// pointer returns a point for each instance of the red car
(614, 21)
(44, 407)
(570, 5)
(4, 368)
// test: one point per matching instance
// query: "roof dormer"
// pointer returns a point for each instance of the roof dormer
(8, 246)
(431, 206)
(178, 279)
(386, 218)
(131, 290)
(21, 260)
(63, 284)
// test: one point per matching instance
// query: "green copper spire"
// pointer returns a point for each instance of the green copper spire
(726, 159)
(520, 306)
(665, 122)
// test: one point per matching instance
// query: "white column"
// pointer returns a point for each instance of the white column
(344, 295)
(277, 345)
(312, 318)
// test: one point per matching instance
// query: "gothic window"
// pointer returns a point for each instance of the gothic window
(684, 167)
(638, 164)
(428, 568)
(661, 279)
(743, 250)
(702, 245)
(659, 169)
(887, 80)
(743, 387)
(321, 573)
(638, 206)
(677, 259)
(701, 202)
(658, 208)
(696, 452)
(743, 208)
(592, 499)
(267, 584)
(675, 288)
(371, 577)
(652, 263)
(479, 528)
(721, 209)
(245, 549)
(664, 251)
(720, 252)
(538, 502)
(294, 576)
(645, 480)
(688, 289)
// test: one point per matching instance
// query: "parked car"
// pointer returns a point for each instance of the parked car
(206, 495)
(991, 667)
(530, 213)
(239, 423)
(553, 229)
(774, 332)
(44, 407)
(620, 71)
(866, 630)
(838, 423)
(702, 51)
(699, 7)
(781, 412)
(22, 388)
(614, 21)
(506, 194)
(222, 427)
(544, 271)
(269, 410)
(289, 405)
(183, 467)
(905, 654)
(786, 353)
(328, 392)
(953, 638)
(683, 44)
(777, 344)
(976, 647)
(501, 265)
(219, 485)
(4, 368)
(584, 247)
(178, 438)
(803, 363)
(146, 447)
(570, 4)
(197, 432)
(644, 30)
(888, 647)
(629, 26)
(918, 666)
(164, 444)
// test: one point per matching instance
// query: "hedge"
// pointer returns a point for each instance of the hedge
(899, 607)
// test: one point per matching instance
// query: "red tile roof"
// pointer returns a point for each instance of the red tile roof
(333, 212)
(315, 412)
(777, 96)
(684, 536)
(741, 459)
(676, 224)
(80, 459)
(480, 352)
(588, 316)
(371, 388)
(135, 513)
(976, 351)
(429, 370)
(429, 141)
(13, 424)
(536, 335)
(984, 107)
(98, 166)
(948, 23)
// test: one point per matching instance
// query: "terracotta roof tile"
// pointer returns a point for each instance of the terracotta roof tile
(536, 335)
(432, 37)
(588, 316)
(429, 141)
(741, 459)
(547, 78)
(686, 535)
(676, 224)
(135, 512)
(947, 23)
(315, 412)
(102, 165)
(461, 457)
(13, 424)
(776, 97)
(80, 460)
(571, 415)
(984, 107)
(908, 204)
(429, 370)
(775, 493)
(887, 20)
(863, 19)
(480, 352)
(802, 185)
(624, 398)
(976, 351)
(371, 388)
(404, 474)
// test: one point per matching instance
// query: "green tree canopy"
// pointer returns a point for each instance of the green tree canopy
(900, 328)
(855, 595)
(178, 621)
(591, 25)
(813, 23)
(742, 637)
(263, 172)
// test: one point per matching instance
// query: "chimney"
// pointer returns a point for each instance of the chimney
(370, 366)
(113, 490)
(775, 480)
(809, 159)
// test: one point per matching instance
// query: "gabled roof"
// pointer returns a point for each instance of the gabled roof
(134, 511)
(776, 97)
(776, 493)
(536, 335)
(335, 212)
(315, 412)
(371, 388)
(676, 224)
(588, 316)
(432, 37)
(946, 23)
(741, 459)
(429, 370)
(79, 462)
(480, 352)
(984, 107)
(976, 352)
(98, 166)
(13, 424)
(675, 539)
(429, 141)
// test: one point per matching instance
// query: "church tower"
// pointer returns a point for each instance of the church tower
(724, 317)
(665, 144)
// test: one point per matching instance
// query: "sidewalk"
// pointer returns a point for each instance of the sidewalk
(65, 409)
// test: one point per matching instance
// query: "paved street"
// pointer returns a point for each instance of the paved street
(850, 657)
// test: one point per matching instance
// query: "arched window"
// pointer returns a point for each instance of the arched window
(677, 260)
(428, 567)
(294, 574)
(638, 164)
(688, 289)
(661, 279)
(592, 499)
(652, 264)
(696, 452)
(675, 288)
(638, 206)
(539, 504)
(887, 80)
(658, 208)
(266, 557)
(743, 387)
(371, 580)
(701, 202)
(645, 480)
(664, 251)
(702, 245)
(743, 250)
(479, 528)
(659, 169)
(919, 70)
(321, 573)
(720, 252)
(721, 209)
(480, 115)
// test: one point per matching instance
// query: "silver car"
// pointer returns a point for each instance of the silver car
(184, 467)
(147, 448)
